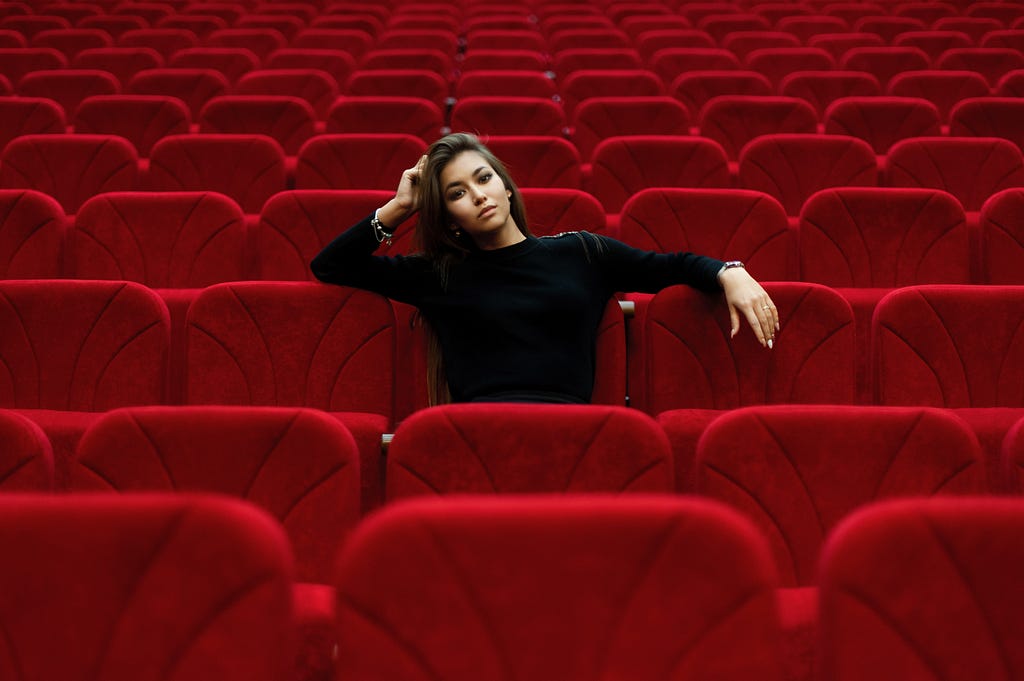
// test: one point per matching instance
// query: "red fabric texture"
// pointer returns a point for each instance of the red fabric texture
(32, 231)
(554, 210)
(932, 42)
(821, 88)
(538, 160)
(164, 587)
(26, 457)
(882, 121)
(141, 119)
(68, 87)
(122, 62)
(991, 62)
(796, 471)
(942, 88)
(287, 119)
(71, 41)
(644, 588)
(262, 41)
(400, 83)
(989, 117)
(734, 120)
(1002, 237)
(335, 62)
(519, 448)
(233, 62)
(599, 118)
(579, 86)
(166, 41)
(194, 87)
(29, 116)
(508, 116)
(672, 62)
(778, 62)
(884, 62)
(15, 62)
(357, 160)
(697, 88)
(902, 582)
(1012, 456)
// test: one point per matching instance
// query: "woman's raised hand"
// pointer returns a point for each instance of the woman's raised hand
(746, 297)
(407, 197)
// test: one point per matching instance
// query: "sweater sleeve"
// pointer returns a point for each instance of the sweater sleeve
(349, 261)
(625, 268)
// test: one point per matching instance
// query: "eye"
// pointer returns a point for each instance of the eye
(455, 195)
(485, 178)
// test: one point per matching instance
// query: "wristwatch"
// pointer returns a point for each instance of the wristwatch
(730, 264)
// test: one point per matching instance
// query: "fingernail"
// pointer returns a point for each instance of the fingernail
(769, 343)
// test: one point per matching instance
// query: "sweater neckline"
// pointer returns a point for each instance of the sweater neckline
(506, 252)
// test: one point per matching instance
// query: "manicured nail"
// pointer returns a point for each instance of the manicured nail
(769, 343)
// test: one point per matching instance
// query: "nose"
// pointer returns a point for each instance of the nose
(478, 195)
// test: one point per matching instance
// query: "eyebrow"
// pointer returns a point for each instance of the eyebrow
(458, 182)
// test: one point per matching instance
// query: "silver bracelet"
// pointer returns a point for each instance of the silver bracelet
(380, 231)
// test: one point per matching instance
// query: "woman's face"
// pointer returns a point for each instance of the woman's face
(477, 201)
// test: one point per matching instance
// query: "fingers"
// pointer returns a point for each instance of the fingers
(756, 326)
(767, 321)
(734, 318)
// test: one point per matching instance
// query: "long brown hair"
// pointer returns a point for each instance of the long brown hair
(440, 244)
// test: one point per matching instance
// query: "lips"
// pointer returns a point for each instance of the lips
(486, 212)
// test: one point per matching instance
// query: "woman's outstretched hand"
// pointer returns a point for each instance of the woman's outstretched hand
(745, 297)
(407, 196)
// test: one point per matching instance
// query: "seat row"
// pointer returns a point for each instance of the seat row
(199, 586)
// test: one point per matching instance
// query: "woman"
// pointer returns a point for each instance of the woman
(515, 317)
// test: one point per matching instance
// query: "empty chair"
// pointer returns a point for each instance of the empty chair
(949, 346)
(120, 62)
(508, 116)
(300, 465)
(902, 579)
(882, 121)
(734, 120)
(201, 25)
(672, 62)
(70, 168)
(581, 85)
(791, 167)
(162, 240)
(777, 63)
(527, 38)
(649, 42)
(729, 224)
(623, 166)
(933, 43)
(261, 41)
(166, 41)
(806, 27)
(990, 62)
(588, 58)
(399, 83)
(1003, 13)
(386, 115)
(539, 160)
(15, 62)
(581, 38)
(697, 88)
(1013, 38)
(488, 59)
(288, 120)
(927, 12)
(553, 210)
(356, 161)
(194, 87)
(888, 26)
(975, 27)
(797, 487)
(499, 83)
(689, 360)
(248, 168)
(821, 88)
(399, 58)
(884, 62)
(71, 41)
(742, 43)
(1001, 237)
(488, 449)
(317, 88)
(68, 87)
(558, 552)
(852, 12)
(719, 26)
(143, 120)
(227, 565)
(599, 118)
(944, 89)
(233, 62)
(354, 41)
(29, 25)
(29, 116)
(838, 44)
(989, 117)
(32, 233)
(971, 169)
(26, 458)
(338, 63)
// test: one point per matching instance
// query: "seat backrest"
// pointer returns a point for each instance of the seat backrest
(382, 114)
(778, 62)
(508, 116)
(950, 346)
(247, 168)
(797, 471)
(533, 566)
(882, 121)
(729, 224)
(316, 87)
(598, 118)
(884, 62)
(26, 458)
(971, 169)
(539, 160)
(791, 167)
(121, 62)
(233, 62)
(691, 362)
(82, 345)
(68, 87)
(143, 120)
(989, 117)
(579, 86)
(32, 233)
(262, 41)
(821, 88)
(291, 344)
(288, 120)
(734, 120)
(672, 62)
(198, 587)
(160, 239)
(70, 168)
(29, 116)
(490, 449)
(942, 88)
(166, 41)
(883, 238)
(553, 210)
(300, 465)
(697, 88)
(902, 579)
(336, 62)
(399, 83)
(356, 161)
(1002, 237)
(990, 62)
(623, 166)
(932, 42)
(194, 87)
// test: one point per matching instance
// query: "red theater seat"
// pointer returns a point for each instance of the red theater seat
(290, 121)
(991, 62)
(196, 586)
(120, 62)
(419, 83)
(975, 27)
(317, 88)
(838, 44)
(927, 12)
(901, 580)
(884, 62)
(806, 27)
(777, 63)
(702, 566)
(15, 62)
(599, 118)
(581, 85)
(356, 161)
(495, 59)
(398, 58)
(505, 83)
(553, 210)
(721, 25)
(742, 43)
(735, 120)
(671, 62)
(386, 115)
(882, 121)
(508, 116)
(71, 41)
(538, 160)
(353, 41)
(492, 449)
(143, 120)
(194, 87)
(513, 37)
(29, 116)
(1002, 237)
(338, 63)
(583, 38)
(26, 458)
(888, 27)
(201, 25)
(649, 42)
(821, 88)
(989, 117)
(933, 43)
(32, 234)
(68, 87)
(165, 41)
(696, 88)
(944, 89)
(233, 62)
(260, 41)
(567, 61)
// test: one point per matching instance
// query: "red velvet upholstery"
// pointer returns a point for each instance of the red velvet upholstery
(288, 120)
(262, 41)
(194, 87)
(15, 62)
(842, 42)
(975, 27)
(163, 240)
(1012, 459)
(796, 471)
(182, 587)
(807, 27)
(32, 232)
(29, 116)
(481, 59)
(247, 168)
(672, 62)
(791, 167)
(903, 580)
(26, 457)
(121, 62)
(414, 37)
(400, 83)
(989, 117)
(623, 166)
(742, 43)
(950, 346)
(778, 62)
(729, 224)
(697, 88)
(68, 87)
(141, 119)
(990, 62)
(690, 362)
(582, 85)
(498, 83)
(510, 37)
(599, 118)
(718, 26)
(821, 88)
(508, 449)
(386, 115)
(505, 589)
(538, 160)
(554, 210)
(932, 42)
(336, 62)
(233, 62)
(942, 88)
(1011, 85)
(575, 38)
(300, 465)
(971, 169)
(409, 58)
(71, 41)
(1002, 238)
(587, 58)
(350, 40)
(884, 62)
(1013, 38)
(356, 161)
(888, 26)
(882, 121)
(70, 168)
(734, 120)
(508, 116)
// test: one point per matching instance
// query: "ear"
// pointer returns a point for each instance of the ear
(509, 192)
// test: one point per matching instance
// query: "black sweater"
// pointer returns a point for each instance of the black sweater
(519, 319)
